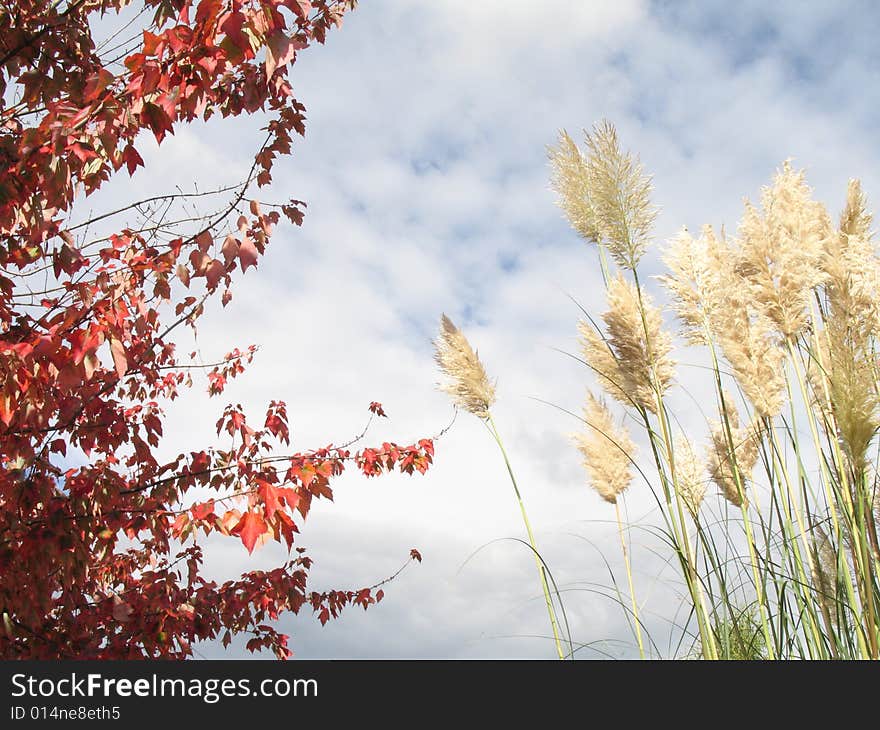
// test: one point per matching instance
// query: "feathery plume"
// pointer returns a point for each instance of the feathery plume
(852, 285)
(842, 369)
(695, 282)
(843, 382)
(728, 466)
(470, 388)
(850, 262)
(570, 179)
(468, 383)
(606, 195)
(634, 361)
(690, 475)
(599, 356)
(746, 336)
(607, 450)
(855, 220)
(781, 248)
(713, 302)
(758, 363)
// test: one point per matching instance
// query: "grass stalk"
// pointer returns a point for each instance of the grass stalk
(629, 577)
(551, 612)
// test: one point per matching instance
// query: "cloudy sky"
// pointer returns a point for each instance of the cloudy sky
(425, 172)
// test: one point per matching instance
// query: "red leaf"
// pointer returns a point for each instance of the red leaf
(293, 213)
(203, 510)
(121, 610)
(157, 120)
(6, 409)
(204, 241)
(120, 361)
(84, 153)
(200, 261)
(97, 83)
(415, 555)
(132, 159)
(232, 27)
(269, 495)
(250, 528)
(289, 495)
(280, 50)
(213, 273)
(226, 522)
(229, 249)
(152, 43)
(302, 8)
(247, 252)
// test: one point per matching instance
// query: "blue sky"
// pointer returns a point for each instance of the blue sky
(425, 171)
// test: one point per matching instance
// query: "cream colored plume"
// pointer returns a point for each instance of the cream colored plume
(844, 384)
(599, 356)
(715, 304)
(690, 475)
(842, 370)
(739, 326)
(696, 282)
(467, 382)
(855, 220)
(570, 179)
(781, 249)
(605, 195)
(633, 361)
(852, 287)
(748, 342)
(607, 450)
(729, 467)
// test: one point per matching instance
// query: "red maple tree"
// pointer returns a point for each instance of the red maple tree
(98, 549)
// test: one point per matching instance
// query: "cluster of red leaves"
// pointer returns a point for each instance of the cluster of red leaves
(408, 459)
(233, 365)
(93, 525)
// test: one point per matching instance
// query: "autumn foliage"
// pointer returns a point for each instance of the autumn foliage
(100, 552)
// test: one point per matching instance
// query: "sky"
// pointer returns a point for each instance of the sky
(425, 171)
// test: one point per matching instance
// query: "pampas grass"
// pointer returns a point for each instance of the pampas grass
(632, 357)
(787, 313)
(769, 512)
(605, 193)
(607, 451)
(468, 385)
(466, 380)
